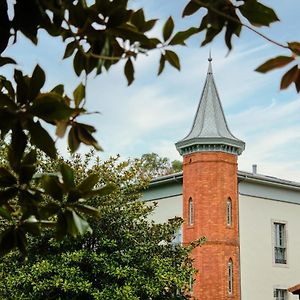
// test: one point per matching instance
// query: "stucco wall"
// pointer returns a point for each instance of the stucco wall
(259, 274)
(167, 208)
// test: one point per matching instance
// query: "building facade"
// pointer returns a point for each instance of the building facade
(250, 221)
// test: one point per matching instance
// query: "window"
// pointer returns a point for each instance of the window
(280, 294)
(177, 240)
(229, 212)
(280, 243)
(230, 276)
(191, 212)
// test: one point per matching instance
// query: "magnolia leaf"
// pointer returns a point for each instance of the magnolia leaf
(180, 37)
(86, 209)
(295, 47)
(173, 59)
(70, 49)
(129, 71)
(162, 62)
(76, 225)
(7, 194)
(6, 61)
(85, 137)
(289, 77)
(41, 138)
(79, 94)
(258, 14)
(7, 240)
(168, 28)
(52, 187)
(73, 139)
(274, 63)
(51, 107)
(61, 127)
(67, 175)
(36, 82)
(103, 191)
(59, 89)
(88, 183)
(191, 8)
(5, 213)
(6, 178)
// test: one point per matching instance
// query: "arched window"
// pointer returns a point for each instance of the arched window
(230, 276)
(191, 211)
(229, 212)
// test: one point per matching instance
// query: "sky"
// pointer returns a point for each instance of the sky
(155, 112)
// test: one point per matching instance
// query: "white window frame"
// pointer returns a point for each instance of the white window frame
(229, 211)
(276, 243)
(280, 294)
(191, 211)
(230, 276)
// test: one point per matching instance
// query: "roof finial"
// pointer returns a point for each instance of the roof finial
(209, 57)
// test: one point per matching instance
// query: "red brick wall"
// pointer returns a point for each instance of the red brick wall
(210, 178)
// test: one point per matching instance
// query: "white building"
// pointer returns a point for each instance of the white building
(252, 221)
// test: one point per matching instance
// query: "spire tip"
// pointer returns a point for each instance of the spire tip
(209, 57)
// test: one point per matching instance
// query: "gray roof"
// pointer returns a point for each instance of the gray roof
(210, 131)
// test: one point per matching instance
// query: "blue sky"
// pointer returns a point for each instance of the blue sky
(155, 112)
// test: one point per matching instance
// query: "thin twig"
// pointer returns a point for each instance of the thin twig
(209, 7)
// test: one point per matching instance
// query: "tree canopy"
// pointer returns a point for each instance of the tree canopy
(127, 256)
(96, 35)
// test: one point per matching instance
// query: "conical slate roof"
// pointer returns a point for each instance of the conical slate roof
(210, 131)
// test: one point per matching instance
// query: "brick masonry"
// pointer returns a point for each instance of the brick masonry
(210, 178)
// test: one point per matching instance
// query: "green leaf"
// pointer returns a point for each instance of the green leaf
(162, 62)
(26, 172)
(6, 61)
(103, 191)
(7, 194)
(86, 209)
(61, 226)
(7, 102)
(17, 145)
(85, 137)
(190, 8)
(274, 63)
(5, 213)
(52, 187)
(129, 71)
(73, 139)
(51, 107)
(88, 183)
(78, 62)
(21, 241)
(180, 37)
(59, 89)
(22, 87)
(6, 178)
(41, 138)
(61, 128)
(76, 224)
(4, 26)
(173, 59)
(295, 47)
(32, 225)
(67, 175)
(168, 28)
(257, 13)
(7, 240)
(29, 158)
(37, 81)
(70, 49)
(138, 19)
(79, 94)
(49, 210)
(289, 77)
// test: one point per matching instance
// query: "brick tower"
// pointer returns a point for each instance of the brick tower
(210, 198)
